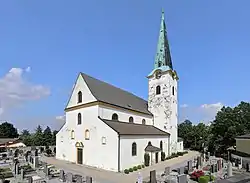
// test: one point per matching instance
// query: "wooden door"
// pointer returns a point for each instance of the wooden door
(79, 155)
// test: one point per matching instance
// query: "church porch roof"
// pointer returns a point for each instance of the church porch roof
(126, 128)
(151, 148)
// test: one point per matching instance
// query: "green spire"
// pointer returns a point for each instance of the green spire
(163, 57)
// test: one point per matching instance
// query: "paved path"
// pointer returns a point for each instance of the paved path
(103, 176)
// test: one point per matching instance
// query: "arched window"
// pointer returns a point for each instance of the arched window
(158, 90)
(79, 97)
(131, 119)
(143, 121)
(149, 143)
(173, 90)
(72, 134)
(79, 119)
(134, 149)
(115, 117)
(87, 135)
(161, 146)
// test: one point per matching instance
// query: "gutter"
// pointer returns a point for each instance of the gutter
(119, 153)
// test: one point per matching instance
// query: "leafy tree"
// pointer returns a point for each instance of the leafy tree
(47, 136)
(38, 136)
(185, 131)
(229, 123)
(26, 138)
(54, 137)
(7, 130)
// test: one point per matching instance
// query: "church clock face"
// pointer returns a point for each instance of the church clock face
(158, 74)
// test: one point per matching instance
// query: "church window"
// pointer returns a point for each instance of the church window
(79, 119)
(115, 117)
(131, 119)
(72, 134)
(161, 145)
(79, 97)
(149, 143)
(134, 149)
(158, 90)
(173, 90)
(143, 121)
(103, 140)
(86, 134)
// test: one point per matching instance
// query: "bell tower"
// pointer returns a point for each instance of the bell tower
(163, 89)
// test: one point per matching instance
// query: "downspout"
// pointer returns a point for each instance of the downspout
(119, 152)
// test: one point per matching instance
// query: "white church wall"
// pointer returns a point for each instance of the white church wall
(164, 105)
(123, 115)
(87, 96)
(126, 158)
(95, 153)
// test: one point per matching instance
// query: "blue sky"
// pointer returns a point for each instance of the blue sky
(50, 42)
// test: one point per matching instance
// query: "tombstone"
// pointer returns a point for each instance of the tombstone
(182, 170)
(69, 177)
(182, 178)
(35, 164)
(16, 168)
(190, 166)
(46, 170)
(229, 169)
(89, 179)
(30, 179)
(219, 164)
(178, 170)
(62, 176)
(139, 178)
(247, 167)
(212, 168)
(215, 168)
(153, 176)
(22, 174)
(36, 152)
(167, 171)
(240, 163)
(79, 179)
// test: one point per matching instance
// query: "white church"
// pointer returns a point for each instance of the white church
(109, 128)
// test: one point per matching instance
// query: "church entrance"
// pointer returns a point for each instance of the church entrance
(79, 152)
(79, 155)
(156, 157)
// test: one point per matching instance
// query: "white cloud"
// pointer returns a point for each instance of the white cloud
(15, 89)
(203, 113)
(184, 106)
(61, 118)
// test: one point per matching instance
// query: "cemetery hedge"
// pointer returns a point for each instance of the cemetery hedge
(135, 168)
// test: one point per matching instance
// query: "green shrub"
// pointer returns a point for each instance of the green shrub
(163, 156)
(146, 159)
(130, 170)
(139, 167)
(126, 171)
(180, 153)
(135, 168)
(205, 179)
(143, 166)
